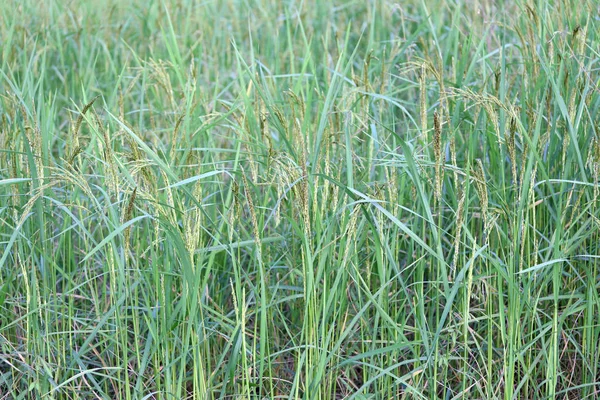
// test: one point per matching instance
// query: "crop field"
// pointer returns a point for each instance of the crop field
(299, 199)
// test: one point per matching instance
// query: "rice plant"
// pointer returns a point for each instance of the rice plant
(317, 199)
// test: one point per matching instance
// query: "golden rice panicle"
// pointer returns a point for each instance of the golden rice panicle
(593, 163)
(109, 159)
(193, 221)
(253, 219)
(437, 150)
(304, 189)
(454, 160)
(459, 222)
(327, 172)
(234, 210)
(351, 231)
(169, 209)
(161, 78)
(264, 125)
(74, 146)
(482, 192)
(488, 105)
(127, 216)
(423, 98)
(512, 151)
(580, 38)
(524, 155)
(175, 137)
(566, 140)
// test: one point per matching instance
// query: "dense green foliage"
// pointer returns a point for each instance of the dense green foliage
(299, 199)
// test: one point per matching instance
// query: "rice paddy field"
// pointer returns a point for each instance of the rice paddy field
(299, 199)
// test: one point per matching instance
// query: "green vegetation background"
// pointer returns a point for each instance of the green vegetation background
(299, 199)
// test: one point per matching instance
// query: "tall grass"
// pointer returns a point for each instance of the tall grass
(299, 199)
